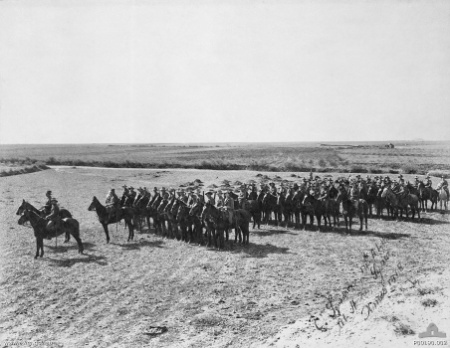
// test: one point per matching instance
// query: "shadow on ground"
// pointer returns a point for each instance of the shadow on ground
(86, 258)
(266, 233)
(64, 247)
(140, 244)
(257, 250)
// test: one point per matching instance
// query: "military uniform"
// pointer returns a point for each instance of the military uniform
(112, 204)
(242, 198)
(209, 199)
(229, 206)
(53, 217)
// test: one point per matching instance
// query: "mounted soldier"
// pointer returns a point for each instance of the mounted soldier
(54, 218)
(46, 209)
(112, 204)
(242, 198)
(253, 195)
(416, 181)
(229, 206)
(427, 181)
(209, 199)
(153, 198)
(220, 199)
(444, 184)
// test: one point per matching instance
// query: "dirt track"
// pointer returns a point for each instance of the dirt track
(112, 295)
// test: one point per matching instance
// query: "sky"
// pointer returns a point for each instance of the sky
(102, 71)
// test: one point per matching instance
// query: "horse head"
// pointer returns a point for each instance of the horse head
(22, 207)
(94, 204)
(23, 218)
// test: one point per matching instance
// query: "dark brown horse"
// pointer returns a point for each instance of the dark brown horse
(427, 194)
(350, 208)
(63, 213)
(41, 231)
(254, 207)
(402, 202)
(240, 221)
(125, 213)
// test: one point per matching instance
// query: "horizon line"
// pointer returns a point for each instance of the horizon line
(237, 142)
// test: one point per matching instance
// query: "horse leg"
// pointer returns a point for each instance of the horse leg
(318, 217)
(105, 228)
(41, 246)
(37, 248)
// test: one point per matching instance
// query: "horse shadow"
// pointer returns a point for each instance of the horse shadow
(267, 233)
(65, 247)
(139, 244)
(368, 233)
(258, 251)
(100, 260)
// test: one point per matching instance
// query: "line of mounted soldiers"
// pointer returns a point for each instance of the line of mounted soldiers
(230, 198)
(227, 198)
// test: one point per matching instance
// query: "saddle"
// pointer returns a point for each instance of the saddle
(53, 227)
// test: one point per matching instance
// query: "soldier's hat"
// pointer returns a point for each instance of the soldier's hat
(209, 192)
(48, 192)
(53, 200)
(219, 191)
(155, 189)
(112, 190)
(124, 186)
(131, 188)
(163, 189)
(295, 186)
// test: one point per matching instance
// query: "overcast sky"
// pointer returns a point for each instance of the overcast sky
(202, 71)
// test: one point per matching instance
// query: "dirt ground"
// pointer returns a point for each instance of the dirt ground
(265, 294)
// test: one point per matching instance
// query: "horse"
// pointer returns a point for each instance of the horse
(308, 209)
(371, 199)
(297, 200)
(352, 207)
(125, 213)
(139, 204)
(427, 194)
(382, 203)
(185, 222)
(443, 197)
(151, 211)
(269, 205)
(41, 230)
(402, 201)
(254, 207)
(63, 213)
(216, 223)
(240, 222)
(195, 214)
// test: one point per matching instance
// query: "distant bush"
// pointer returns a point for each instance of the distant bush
(35, 168)
(439, 174)
(375, 171)
(410, 169)
(392, 171)
(358, 169)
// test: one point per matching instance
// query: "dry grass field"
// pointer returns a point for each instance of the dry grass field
(260, 295)
(373, 157)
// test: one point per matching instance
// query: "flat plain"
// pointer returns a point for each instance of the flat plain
(264, 294)
(371, 157)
